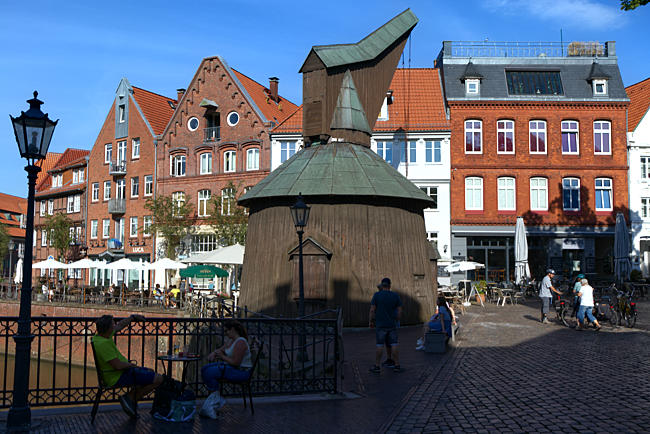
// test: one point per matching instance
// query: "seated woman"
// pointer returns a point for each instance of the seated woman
(442, 319)
(234, 364)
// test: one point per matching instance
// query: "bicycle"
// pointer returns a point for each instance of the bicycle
(626, 308)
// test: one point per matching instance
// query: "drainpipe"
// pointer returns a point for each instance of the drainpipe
(155, 193)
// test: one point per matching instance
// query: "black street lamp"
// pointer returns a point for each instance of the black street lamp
(300, 214)
(33, 130)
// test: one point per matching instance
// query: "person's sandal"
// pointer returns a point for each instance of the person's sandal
(375, 369)
(128, 406)
(397, 368)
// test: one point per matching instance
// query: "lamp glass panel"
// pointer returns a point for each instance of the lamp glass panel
(19, 129)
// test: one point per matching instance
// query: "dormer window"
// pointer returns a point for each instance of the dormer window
(472, 86)
(121, 113)
(383, 113)
(600, 87)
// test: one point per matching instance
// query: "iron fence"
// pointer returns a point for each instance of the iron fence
(63, 371)
(526, 49)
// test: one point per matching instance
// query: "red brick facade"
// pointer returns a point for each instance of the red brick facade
(137, 167)
(522, 165)
(258, 110)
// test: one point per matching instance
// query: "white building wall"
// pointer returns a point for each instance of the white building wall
(639, 146)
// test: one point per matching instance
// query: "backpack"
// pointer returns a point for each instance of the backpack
(168, 391)
(182, 409)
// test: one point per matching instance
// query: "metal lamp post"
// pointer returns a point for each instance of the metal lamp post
(300, 214)
(11, 245)
(33, 130)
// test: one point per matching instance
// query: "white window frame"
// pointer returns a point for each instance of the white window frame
(108, 153)
(570, 130)
(50, 206)
(107, 190)
(106, 228)
(472, 86)
(75, 176)
(571, 188)
(77, 203)
(227, 197)
(253, 159)
(537, 131)
(431, 191)
(430, 147)
(121, 152)
(602, 131)
(473, 130)
(383, 113)
(476, 186)
(203, 202)
(645, 207)
(122, 113)
(133, 227)
(135, 146)
(506, 191)
(94, 195)
(229, 161)
(146, 225)
(287, 149)
(43, 237)
(595, 84)
(412, 151)
(537, 191)
(148, 185)
(601, 189)
(42, 210)
(178, 199)
(176, 163)
(120, 189)
(205, 159)
(507, 128)
(119, 229)
(94, 226)
(135, 186)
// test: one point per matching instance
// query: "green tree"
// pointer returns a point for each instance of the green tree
(58, 228)
(229, 220)
(628, 5)
(172, 219)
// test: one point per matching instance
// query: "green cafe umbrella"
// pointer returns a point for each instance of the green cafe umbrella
(203, 272)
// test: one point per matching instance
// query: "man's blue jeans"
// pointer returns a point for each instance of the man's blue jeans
(588, 311)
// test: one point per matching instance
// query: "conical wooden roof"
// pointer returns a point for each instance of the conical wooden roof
(336, 169)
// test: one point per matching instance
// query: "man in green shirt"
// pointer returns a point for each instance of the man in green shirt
(115, 369)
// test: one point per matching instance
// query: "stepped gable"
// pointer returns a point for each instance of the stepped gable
(639, 94)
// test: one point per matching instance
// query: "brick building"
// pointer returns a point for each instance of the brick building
(412, 133)
(62, 189)
(218, 134)
(13, 210)
(638, 141)
(537, 130)
(121, 177)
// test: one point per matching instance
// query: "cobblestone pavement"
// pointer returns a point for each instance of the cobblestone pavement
(513, 374)
(508, 373)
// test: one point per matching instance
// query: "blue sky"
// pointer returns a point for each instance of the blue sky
(74, 53)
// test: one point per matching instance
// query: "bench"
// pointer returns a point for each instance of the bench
(436, 342)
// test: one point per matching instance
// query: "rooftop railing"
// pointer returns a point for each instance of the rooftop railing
(526, 49)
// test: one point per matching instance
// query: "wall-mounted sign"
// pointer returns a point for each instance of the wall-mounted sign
(138, 250)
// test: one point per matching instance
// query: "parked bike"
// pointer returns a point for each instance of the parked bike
(626, 307)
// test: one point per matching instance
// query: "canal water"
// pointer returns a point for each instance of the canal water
(51, 375)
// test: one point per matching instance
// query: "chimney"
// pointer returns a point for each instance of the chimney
(273, 87)
(179, 93)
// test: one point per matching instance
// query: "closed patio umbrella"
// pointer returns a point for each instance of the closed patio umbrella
(522, 272)
(621, 249)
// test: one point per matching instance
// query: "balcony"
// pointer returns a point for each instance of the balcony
(473, 49)
(211, 135)
(117, 168)
(117, 206)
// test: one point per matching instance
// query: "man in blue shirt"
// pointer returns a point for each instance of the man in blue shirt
(385, 312)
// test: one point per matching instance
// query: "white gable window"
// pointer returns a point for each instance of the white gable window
(287, 149)
(472, 86)
(600, 87)
(135, 148)
(108, 153)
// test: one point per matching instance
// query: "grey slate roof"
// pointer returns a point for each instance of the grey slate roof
(575, 76)
(348, 113)
(369, 47)
(598, 72)
(336, 169)
(470, 72)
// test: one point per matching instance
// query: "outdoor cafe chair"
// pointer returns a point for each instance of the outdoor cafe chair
(102, 387)
(245, 384)
(503, 296)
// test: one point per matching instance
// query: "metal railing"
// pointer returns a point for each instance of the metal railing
(117, 167)
(524, 49)
(212, 134)
(117, 206)
(63, 371)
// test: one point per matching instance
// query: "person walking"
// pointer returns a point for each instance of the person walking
(576, 289)
(586, 295)
(545, 293)
(385, 313)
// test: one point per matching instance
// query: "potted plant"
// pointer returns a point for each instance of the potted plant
(481, 290)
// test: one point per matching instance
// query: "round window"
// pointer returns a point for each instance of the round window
(233, 118)
(192, 124)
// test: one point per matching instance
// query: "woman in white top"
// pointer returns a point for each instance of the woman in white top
(234, 364)
(586, 295)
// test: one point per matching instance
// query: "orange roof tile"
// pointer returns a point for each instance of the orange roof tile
(418, 104)
(639, 94)
(156, 108)
(274, 112)
(70, 155)
(46, 164)
(12, 205)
